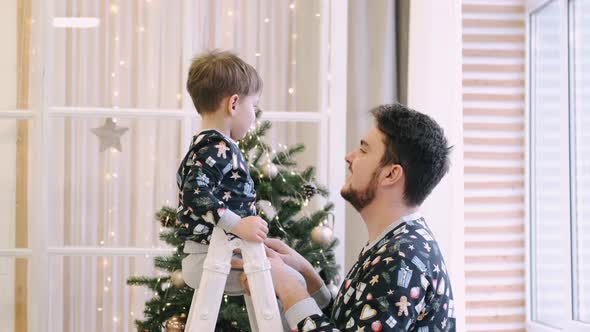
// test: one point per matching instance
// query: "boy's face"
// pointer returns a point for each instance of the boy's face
(243, 116)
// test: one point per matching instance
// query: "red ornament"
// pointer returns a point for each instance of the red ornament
(369, 296)
(348, 282)
(376, 260)
(376, 326)
(415, 292)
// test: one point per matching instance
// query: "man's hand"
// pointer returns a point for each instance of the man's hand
(288, 255)
(296, 261)
(252, 229)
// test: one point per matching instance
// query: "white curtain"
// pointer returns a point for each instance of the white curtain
(372, 80)
(133, 59)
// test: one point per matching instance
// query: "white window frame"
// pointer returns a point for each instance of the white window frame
(331, 120)
(532, 325)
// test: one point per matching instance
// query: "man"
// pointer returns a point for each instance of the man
(400, 281)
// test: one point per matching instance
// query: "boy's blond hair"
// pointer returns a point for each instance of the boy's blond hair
(216, 75)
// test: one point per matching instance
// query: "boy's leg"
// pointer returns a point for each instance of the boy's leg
(192, 269)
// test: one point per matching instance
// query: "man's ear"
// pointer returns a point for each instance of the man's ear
(392, 174)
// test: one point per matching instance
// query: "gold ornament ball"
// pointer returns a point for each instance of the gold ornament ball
(270, 170)
(322, 235)
(177, 280)
(174, 324)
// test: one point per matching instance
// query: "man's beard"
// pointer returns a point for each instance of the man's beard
(360, 199)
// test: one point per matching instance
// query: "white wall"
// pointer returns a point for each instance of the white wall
(434, 88)
(8, 164)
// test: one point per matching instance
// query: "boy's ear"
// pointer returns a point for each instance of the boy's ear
(233, 103)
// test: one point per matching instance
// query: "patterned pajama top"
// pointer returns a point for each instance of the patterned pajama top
(399, 283)
(215, 187)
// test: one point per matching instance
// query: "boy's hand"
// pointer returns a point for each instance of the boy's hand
(252, 229)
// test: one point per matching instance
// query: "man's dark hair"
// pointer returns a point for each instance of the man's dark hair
(417, 143)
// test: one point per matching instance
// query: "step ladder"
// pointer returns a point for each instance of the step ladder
(262, 306)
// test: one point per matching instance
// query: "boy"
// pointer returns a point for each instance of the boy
(215, 187)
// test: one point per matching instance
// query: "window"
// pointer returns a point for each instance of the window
(559, 165)
(77, 218)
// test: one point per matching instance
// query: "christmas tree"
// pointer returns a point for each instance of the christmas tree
(283, 195)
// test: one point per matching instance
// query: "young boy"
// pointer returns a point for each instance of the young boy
(215, 187)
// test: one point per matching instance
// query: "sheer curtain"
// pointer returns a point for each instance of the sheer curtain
(133, 59)
(372, 80)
